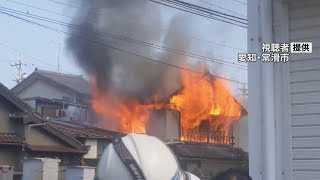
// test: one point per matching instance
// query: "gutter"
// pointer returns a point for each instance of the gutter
(34, 117)
(33, 125)
(261, 117)
(268, 95)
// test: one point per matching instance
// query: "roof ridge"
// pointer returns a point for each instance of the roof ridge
(15, 99)
(92, 127)
(39, 71)
(86, 129)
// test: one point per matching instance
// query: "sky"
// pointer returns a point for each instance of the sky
(38, 46)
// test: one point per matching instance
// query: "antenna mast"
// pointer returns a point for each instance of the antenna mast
(20, 77)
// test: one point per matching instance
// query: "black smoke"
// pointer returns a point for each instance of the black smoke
(125, 74)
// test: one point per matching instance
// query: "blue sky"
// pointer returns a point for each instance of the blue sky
(37, 51)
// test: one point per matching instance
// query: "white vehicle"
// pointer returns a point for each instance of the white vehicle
(140, 157)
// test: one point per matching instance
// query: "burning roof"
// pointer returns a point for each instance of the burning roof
(125, 88)
(205, 97)
(205, 103)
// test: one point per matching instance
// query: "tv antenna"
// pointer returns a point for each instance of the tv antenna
(243, 90)
(21, 75)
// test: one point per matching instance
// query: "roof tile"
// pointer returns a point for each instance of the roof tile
(10, 139)
(202, 150)
(42, 148)
(78, 131)
(74, 82)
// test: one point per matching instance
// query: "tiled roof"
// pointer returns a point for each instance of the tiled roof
(67, 81)
(207, 151)
(29, 116)
(78, 131)
(42, 148)
(74, 82)
(10, 139)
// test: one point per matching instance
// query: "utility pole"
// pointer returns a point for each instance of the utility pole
(19, 66)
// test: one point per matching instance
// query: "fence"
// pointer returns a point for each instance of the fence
(212, 137)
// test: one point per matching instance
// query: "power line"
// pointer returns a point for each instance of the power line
(193, 55)
(240, 2)
(41, 9)
(162, 29)
(116, 48)
(209, 13)
(200, 13)
(61, 3)
(206, 2)
(196, 7)
(206, 10)
(201, 57)
(71, 5)
(30, 56)
(186, 36)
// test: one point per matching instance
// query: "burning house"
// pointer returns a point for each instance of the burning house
(127, 89)
(196, 121)
(207, 109)
(202, 111)
(134, 94)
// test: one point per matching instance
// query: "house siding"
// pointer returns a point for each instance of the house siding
(43, 89)
(39, 136)
(304, 26)
(7, 125)
(31, 103)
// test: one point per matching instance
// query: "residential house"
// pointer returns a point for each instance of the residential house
(57, 95)
(284, 98)
(210, 158)
(25, 134)
(167, 123)
(60, 109)
(97, 139)
(193, 154)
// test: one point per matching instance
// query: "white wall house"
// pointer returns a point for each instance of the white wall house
(284, 98)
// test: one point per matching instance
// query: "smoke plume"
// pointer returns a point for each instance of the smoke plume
(122, 73)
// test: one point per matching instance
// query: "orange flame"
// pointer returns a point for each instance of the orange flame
(202, 98)
(215, 111)
(205, 98)
(128, 112)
